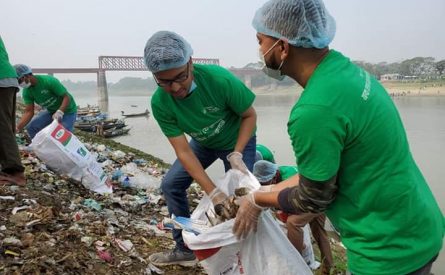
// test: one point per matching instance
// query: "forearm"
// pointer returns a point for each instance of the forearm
(308, 196)
(65, 103)
(267, 199)
(26, 117)
(290, 182)
(247, 127)
(196, 171)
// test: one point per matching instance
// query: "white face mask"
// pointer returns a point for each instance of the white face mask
(275, 74)
(25, 85)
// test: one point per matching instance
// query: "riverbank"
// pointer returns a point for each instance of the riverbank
(394, 88)
(55, 225)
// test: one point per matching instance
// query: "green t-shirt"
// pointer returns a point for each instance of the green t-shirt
(287, 171)
(211, 114)
(48, 93)
(6, 69)
(265, 153)
(346, 124)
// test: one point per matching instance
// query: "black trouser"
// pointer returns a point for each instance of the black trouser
(9, 152)
(426, 269)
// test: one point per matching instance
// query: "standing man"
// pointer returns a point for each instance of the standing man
(50, 94)
(215, 109)
(352, 152)
(11, 165)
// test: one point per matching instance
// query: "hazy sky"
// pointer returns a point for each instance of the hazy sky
(61, 33)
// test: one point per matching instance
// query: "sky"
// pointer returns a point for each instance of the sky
(61, 33)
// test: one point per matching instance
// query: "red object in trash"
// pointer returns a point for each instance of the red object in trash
(203, 254)
(77, 216)
(104, 255)
(282, 216)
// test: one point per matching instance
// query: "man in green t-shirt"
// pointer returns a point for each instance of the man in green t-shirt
(51, 95)
(10, 162)
(214, 108)
(263, 153)
(352, 152)
(269, 174)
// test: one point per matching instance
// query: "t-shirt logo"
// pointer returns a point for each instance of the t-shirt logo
(210, 109)
(44, 92)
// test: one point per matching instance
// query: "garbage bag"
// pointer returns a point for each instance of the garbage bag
(267, 251)
(63, 153)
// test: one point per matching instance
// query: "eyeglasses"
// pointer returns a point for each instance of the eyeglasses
(168, 82)
(21, 79)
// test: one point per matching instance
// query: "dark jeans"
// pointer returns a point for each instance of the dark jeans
(177, 180)
(9, 152)
(424, 270)
(44, 118)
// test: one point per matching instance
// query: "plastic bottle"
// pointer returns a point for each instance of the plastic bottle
(126, 182)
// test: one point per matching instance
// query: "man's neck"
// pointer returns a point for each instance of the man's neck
(302, 63)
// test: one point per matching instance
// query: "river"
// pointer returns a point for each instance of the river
(423, 117)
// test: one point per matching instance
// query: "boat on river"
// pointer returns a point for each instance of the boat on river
(146, 113)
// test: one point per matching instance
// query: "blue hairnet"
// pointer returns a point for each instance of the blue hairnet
(22, 70)
(264, 170)
(304, 23)
(166, 50)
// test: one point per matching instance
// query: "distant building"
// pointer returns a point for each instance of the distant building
(386, 77)
(409, 77)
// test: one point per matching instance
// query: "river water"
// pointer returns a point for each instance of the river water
(423, 117)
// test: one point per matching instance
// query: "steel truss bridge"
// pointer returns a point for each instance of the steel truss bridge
(129, 63)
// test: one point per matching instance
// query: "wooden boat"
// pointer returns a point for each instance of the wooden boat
(146, 113)
(113, 132)
(106, 124)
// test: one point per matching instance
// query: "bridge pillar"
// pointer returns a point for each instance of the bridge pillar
(248, 81)
(102, 91)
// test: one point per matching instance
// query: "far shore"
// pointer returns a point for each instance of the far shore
(394, 88)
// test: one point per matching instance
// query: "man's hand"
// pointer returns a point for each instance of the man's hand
(247, 216)
(224, 206)
(58, 115)
(236, 162)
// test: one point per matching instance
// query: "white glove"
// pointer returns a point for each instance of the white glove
(58, 115)
(247, 216)
(236, 162)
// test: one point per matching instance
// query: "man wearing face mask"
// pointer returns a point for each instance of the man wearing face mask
(50, 94)
(351, 147)
(10, 162)
(214, 108)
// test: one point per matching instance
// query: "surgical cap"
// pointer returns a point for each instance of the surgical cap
(22, 70)
(304, 23)
(166, 50)
(264, 170)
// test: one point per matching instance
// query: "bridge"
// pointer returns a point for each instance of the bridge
(129, 63)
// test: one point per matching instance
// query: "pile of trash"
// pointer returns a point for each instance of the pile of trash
(55, 225)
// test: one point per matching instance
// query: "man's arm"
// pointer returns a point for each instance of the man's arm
(191, 163)
(248, 124)
(26, 117)
(65, 103)
(306, 197)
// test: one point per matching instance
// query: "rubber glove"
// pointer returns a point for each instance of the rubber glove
(236, 162)
(58, 115)
(247, 216)
(222, 205)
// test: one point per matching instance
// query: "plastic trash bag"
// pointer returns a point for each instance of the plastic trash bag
(63, 153)
(267, 251)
